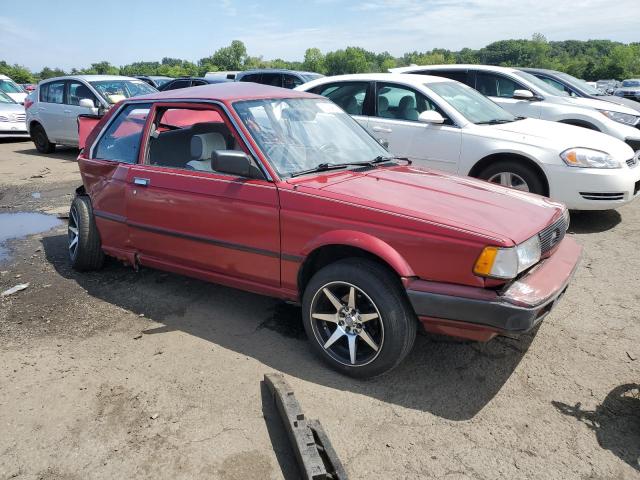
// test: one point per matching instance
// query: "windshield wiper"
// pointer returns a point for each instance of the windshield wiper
(496, 121)
(323, 167)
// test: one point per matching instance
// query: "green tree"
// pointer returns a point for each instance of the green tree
(314, 61)
(232, 57)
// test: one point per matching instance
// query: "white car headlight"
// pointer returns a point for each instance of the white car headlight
(625, 118)
(588, 158)
(3, 118)
(508, 263)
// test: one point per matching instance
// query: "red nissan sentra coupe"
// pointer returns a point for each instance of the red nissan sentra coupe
(281, 193)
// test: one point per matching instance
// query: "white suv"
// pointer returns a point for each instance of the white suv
(53, 107)
(446, 125)
(525, 95)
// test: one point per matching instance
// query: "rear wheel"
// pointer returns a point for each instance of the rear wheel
(85, 251)
(40, 139)
(514, 174)
(357, 318)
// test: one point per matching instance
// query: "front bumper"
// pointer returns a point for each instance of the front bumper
(13, 129)
(481, 314)
(594, 188)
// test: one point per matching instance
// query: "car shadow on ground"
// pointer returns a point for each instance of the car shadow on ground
(61, 153)
(616, 422)
(593, 221)
(451, 379)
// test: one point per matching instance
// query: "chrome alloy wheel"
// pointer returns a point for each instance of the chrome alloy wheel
(511, 180)
(73, 234)
(347, 324)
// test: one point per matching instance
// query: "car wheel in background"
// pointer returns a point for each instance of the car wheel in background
(514, 174)
(357, 317)
(40, 140)
(85, 251)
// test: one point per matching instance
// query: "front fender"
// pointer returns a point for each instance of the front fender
(363, 241)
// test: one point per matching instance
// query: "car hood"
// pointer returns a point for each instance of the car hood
(462, 203)
(559, 136)
(626, 102)
(18, 97)
(10, 108)
(602, 105)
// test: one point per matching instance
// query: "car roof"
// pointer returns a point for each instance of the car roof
(226, 92)
(276, 70)
(539, 70)
(408, 78)
(91, 78)
(452, 66)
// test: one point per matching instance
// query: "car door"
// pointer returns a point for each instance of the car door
(500, 88)
(75, 91)
(105, 169)
(351, 96)
(186, 217)
(51, 109)
(396, 121)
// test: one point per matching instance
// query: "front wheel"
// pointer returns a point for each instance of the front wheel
(514, 174)
(357, 318)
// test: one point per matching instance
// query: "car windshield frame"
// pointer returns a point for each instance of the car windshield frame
(15, 87)
(540, 84)
(125, 85)
(4, 98)
(314, 134)
(579, 84)
(454, 93)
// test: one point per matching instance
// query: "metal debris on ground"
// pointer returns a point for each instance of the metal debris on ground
(316, 457)
(16, 289)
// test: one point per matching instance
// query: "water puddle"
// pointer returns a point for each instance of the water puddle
(21, 224)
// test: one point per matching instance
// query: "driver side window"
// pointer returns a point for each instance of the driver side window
(121, 141)
(403, 103)
(492, 85)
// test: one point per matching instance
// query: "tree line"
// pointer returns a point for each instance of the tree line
(589, 60)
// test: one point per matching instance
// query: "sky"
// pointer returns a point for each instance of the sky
(76, 33)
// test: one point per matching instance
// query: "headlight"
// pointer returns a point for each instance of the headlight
(588, 158)
(3, 118)
(508, 262)
(625, 118)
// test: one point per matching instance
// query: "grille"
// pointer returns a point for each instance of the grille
(552, 235)
(21, 117)
(602, 196)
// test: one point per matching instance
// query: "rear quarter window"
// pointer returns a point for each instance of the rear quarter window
(121, 140)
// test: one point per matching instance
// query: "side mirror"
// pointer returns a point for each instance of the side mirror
(431, 116)
(523, 94)
(88, 103)
(234, 162)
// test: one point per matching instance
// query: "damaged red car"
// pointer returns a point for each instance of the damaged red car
(283, 194)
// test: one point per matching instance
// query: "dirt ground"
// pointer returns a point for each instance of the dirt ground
(124, 374)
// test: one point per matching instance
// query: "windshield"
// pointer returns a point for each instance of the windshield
(8, 86)
(631, 83)
(307, 77)
(114, 91)
(161, 80)
(581, 84)
(470, 103)
(4, 98)
(541, 84)
(298, 134)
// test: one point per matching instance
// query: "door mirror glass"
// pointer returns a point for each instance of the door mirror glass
(431, 116)
(523, 94)
(233, 162)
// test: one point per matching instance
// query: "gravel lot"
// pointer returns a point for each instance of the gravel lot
(89, 360)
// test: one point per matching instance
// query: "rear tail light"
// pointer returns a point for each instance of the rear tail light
(27, 103)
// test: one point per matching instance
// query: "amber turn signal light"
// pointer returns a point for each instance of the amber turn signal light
(484, 264)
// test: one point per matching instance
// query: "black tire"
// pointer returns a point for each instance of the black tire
(40, 139)
(377, 290)
(87, 254)
(532, 179)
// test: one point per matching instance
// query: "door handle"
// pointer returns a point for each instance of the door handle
(143, 182)
(382, 129)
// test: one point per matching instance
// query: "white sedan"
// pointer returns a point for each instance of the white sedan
(446, 125)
